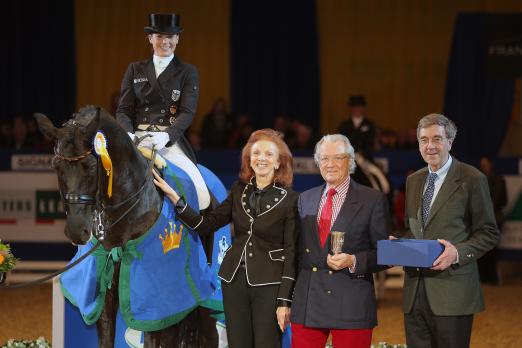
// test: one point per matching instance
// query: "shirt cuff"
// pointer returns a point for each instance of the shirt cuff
(457, 259)
(284, 303)
(351, 269)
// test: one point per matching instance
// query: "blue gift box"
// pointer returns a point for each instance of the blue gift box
(408, 252)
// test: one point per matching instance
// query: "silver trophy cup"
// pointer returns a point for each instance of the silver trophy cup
(336, 241)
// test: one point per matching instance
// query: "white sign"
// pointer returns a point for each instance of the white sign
(305, 165)
(31, 162)
(30, 208)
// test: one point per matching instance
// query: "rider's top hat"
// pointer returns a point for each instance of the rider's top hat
(357, 100)
(163, 24)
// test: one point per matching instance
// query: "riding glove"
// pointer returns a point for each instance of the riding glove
(159, 139)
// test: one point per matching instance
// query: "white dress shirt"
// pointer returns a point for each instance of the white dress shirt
(161, 63)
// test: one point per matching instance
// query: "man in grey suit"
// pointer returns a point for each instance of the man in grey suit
(448, 201)
(335, 293)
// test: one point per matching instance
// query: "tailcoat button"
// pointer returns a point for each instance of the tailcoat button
(314, 269)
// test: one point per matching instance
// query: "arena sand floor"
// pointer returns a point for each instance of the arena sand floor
(26, 313)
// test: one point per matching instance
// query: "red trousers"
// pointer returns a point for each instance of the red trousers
(308, 337)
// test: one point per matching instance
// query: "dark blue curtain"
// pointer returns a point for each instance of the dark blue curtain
(38, 59)
(478, 102)
(274, 60)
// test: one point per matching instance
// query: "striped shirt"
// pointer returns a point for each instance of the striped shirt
(337, 201)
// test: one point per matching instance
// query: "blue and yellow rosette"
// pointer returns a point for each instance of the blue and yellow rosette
(100, 147)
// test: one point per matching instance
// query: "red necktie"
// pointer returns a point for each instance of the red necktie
(326, 217)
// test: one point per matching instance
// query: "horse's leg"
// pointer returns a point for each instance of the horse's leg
(106, 325)
(208, 335)
(198, 329)
(162, 338)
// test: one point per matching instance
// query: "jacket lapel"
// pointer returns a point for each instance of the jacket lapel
(419, 193)
(168, 74)
(314, 206)
(151, 76)
(349, 209)
(450, 185)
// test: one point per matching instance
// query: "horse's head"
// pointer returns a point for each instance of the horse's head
(77, 170)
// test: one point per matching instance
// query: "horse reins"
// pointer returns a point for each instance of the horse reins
(89, 199)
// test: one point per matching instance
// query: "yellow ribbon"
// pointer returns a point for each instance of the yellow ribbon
(100, 146)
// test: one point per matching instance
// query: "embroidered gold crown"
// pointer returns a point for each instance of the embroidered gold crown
(172, 238)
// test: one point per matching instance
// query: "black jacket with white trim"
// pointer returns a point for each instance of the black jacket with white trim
(268, 240)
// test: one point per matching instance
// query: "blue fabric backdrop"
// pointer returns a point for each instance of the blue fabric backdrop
(38, 59)
(479, 103)
(274, 60)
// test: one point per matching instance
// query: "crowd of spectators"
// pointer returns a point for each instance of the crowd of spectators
(221, 130)
(22, 133)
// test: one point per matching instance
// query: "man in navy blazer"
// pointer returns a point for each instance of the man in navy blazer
(335, 293)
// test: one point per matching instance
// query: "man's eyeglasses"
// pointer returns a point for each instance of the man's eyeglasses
(435, 141)
(334, 159)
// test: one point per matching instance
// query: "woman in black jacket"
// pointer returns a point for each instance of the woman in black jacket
(258, 271)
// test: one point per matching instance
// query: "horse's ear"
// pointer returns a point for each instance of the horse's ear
(46, 126)
(93, 126)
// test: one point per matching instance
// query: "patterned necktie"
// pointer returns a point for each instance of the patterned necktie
(428, 196)
(326, 217)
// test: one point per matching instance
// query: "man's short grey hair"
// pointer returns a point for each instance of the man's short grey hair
(332, 138)
(439, 120)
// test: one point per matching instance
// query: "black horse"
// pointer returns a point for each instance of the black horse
(133, 207)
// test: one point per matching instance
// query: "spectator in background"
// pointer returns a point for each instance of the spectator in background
(241, 132)
(6, 134)
(195, 139)
(283, 125)
(497, 190)
(36, 139)
(217, 126)
(303, 136)
(358, 128)
(20, 140)
(408, 140)
(388, 140)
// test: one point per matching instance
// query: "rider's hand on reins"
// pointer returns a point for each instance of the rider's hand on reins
(162, 184)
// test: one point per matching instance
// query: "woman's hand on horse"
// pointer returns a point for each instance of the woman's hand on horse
(162, 184)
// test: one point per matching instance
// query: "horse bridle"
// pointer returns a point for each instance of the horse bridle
(100, 230)
(89, 199)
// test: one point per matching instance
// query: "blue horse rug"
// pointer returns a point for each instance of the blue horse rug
(164, 274)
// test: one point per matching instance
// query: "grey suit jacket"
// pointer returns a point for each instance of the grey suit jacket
(462, 214)
(339, 299)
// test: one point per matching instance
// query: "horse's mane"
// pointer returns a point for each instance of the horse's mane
(116, 136)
